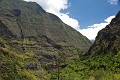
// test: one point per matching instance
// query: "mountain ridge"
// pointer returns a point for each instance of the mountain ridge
(107, 40)
(32, 41)
(44, 20)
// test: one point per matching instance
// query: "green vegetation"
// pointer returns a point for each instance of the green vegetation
(36, 45)
(12, 65)
(37, 31)
(17, 66)
(31, 41)
(102, 67)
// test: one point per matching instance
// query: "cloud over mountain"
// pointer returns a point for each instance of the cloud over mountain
(55, 7)
(91, 31)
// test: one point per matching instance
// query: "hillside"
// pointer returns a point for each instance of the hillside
(33, 42)
(36, 45)
(30, 25)
(108, 39)
(101, 62)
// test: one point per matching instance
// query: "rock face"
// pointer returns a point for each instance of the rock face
(29, 30)
(108, 39)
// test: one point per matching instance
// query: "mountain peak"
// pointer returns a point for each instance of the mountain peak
(30, 30)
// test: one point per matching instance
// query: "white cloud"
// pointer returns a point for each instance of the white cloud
(113, 1)
(70, 21)
(91, 31)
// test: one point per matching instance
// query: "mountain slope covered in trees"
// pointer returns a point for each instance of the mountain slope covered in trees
(36, 45)
(33, 42)
(101, 62)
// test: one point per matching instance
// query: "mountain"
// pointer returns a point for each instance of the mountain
(32, 41)
(102, 61)
(30, 25)
(108, 39)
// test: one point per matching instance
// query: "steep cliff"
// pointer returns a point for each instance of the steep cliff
(33, 28)
(32, 40)
(108, 39)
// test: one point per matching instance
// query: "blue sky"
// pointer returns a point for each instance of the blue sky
(89, 12)
(86, 16)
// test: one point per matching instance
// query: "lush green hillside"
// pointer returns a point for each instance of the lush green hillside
(30, 25)
(35, 45)
(32, 41)
(102, 61)
(23, 67)
(101, 67)
(15, 66)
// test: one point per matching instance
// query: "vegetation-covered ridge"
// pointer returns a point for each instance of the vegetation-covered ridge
(23, 66)
(34, 29)
(15, 66)
(33, 42)
(35, 45)
(108, 39)
(100, 67)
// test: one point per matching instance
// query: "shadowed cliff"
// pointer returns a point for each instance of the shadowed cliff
(108, 39)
